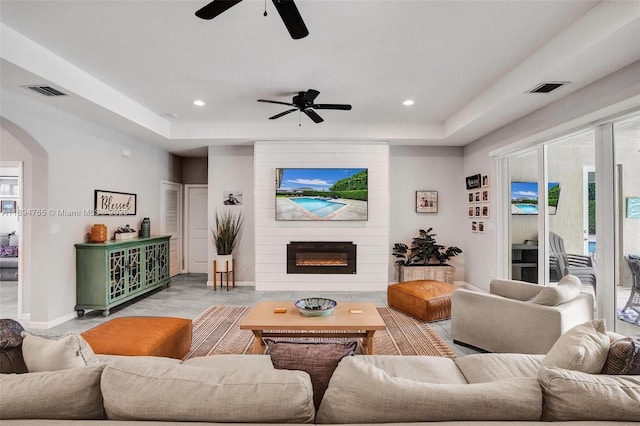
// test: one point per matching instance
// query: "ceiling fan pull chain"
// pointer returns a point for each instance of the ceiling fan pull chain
(299, 119)
(265, 8)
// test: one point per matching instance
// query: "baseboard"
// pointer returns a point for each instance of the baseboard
(38, 325)
(238, 284)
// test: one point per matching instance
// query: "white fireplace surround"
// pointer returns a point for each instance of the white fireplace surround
(272, 237)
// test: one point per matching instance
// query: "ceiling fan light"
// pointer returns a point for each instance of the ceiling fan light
(199, 103)
(408, 102)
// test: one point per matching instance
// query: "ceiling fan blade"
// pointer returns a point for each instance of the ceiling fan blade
(310, 95)
(215, 8)
(332, 106)
(276, 102)
(283, 113)
(313, 115)
(291, 18)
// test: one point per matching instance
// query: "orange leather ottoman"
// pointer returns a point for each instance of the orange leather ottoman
(424, 299)
(138, 336)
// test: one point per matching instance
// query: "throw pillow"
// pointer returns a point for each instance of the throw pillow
(11, 360)
(47, 353)
(567, 289)
(623, 357)
(583, 348)
(318, 359)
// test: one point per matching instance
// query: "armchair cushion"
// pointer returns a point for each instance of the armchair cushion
(583, 348)
(568, 288)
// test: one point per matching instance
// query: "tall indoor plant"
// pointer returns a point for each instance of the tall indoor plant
(226, 234)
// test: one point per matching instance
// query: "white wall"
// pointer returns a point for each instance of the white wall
(612, 94)
(371, 236)
(82, 157)
(416, 168)
(231, 169)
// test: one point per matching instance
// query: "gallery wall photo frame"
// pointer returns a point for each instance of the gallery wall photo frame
(111, 203)
(426, 201)
(485, 181)
(232, 198)
(633, 207)
(8, 206)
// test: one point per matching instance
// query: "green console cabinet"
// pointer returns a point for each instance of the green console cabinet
(113, 272)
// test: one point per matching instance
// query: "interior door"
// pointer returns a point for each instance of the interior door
(197, 229)
(171, 223)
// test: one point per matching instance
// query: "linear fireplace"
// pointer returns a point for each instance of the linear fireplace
(321, 257)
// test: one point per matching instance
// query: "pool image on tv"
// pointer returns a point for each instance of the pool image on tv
(321, 194)
(524, 197)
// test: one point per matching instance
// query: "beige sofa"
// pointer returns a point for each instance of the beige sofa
(483, 389)
(506, 320)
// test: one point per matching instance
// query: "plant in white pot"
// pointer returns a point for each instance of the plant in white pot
(225, 236)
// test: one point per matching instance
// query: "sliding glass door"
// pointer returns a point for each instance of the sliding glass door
(574, 207)
(626, 139)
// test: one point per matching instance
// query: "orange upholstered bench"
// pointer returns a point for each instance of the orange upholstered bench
(138, 336)
(424, 299)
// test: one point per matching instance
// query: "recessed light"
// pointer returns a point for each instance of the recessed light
(198, 102)
(408, 102)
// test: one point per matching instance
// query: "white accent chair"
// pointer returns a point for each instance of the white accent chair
(506, 320)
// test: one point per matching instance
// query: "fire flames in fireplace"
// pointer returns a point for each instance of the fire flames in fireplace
(321, 258)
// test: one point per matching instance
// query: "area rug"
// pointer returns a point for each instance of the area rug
(217, 331)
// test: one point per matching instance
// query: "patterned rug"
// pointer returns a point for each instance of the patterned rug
(217, 331)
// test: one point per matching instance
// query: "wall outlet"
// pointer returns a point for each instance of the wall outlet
(55, 228)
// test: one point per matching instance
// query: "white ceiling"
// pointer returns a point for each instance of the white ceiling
(466, 64)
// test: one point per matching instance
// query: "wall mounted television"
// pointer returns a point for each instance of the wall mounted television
(524, 197)
(322, 194)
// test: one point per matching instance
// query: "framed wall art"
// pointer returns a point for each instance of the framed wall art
(8, 206)
(426, 201)
(109, 203)
(232, 198)
(485, 181)
(485, 195)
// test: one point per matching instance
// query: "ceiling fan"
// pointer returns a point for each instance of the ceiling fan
(303, 102)
(286, 8)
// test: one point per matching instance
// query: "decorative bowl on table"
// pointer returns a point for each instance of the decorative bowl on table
(316, 306)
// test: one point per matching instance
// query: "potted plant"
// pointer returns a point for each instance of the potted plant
(226, 235)
(425, 252)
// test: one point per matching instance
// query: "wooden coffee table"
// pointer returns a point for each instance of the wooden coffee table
(264, 322)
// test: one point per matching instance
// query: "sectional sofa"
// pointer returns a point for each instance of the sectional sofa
(483, 389)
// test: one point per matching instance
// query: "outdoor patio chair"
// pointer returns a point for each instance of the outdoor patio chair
(633, 302)
(562, 263)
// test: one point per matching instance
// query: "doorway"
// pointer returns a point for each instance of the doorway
(171, 223)
(196, 229)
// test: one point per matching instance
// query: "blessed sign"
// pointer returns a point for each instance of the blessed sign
(473, 181)
(108, 203)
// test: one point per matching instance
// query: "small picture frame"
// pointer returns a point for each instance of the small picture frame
(478, 212)
(476, 196)
(633, 207)
(426, 201)
(485, 181)
(8, 206)
(471, 197)
(232, 198)
(472, 211)
(481, 227)
(485, 211)
(474, 226)
(485, 196)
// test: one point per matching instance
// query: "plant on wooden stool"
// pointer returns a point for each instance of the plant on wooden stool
(424, 251)
(226, 233)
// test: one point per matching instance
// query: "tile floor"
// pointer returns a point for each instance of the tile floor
(188, 295)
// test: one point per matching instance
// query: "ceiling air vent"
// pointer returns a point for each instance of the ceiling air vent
(46, 90)
(548, 86)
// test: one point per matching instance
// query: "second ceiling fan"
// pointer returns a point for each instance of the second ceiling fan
(286, 8)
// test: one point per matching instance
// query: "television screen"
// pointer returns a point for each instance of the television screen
(321, 194)
(524, 197)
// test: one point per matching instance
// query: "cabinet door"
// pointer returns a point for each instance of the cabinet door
(163, 260)
(117, 274)
(134, 269)
(150, 264)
